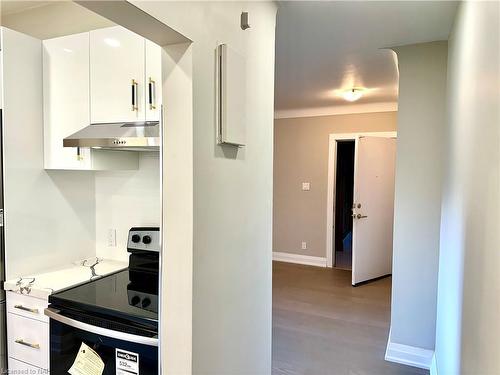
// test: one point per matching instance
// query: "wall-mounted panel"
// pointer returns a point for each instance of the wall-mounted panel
(231, 97)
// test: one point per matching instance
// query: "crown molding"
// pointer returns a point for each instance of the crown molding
(336, 110)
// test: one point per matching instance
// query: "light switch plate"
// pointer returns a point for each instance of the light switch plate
(306, 186)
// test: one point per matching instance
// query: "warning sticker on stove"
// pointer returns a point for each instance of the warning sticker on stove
(127, 363)
(87, 362)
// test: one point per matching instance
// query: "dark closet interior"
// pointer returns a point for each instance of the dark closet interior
(344, 191)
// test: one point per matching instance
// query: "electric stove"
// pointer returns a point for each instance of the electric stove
(114, 315)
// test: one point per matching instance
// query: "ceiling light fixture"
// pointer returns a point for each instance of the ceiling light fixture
(352, 95)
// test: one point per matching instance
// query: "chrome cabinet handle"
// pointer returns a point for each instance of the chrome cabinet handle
(21, 307)
(152, 94)
(135, 90)
(22, 342)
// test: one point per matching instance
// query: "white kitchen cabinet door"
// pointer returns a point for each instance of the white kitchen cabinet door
(153, 81)
(18, 367)
(117, 75)
(66, 107)
(27, 306)
(66, 99)
(28, 340)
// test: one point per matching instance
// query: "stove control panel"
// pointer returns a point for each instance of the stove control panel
(144, 238)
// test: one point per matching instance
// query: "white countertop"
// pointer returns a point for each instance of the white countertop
(44, 284)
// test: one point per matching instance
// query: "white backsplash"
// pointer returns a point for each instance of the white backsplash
(125, 199)
(49, 215)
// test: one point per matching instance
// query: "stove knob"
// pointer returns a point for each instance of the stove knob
(136, 238)
(146, 240)
(135, 300)
(146, 302)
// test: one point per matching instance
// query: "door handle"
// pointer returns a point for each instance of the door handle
(358, 216)
(118, 335)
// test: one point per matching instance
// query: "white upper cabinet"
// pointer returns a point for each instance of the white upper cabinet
(66, 107)
(153, 81)
(117, 78)
(65, 99)
(102, 76)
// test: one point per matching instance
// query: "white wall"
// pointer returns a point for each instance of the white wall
(421, 121)
(302, 215)
(232, 190)
(468, 325)
(126, 199)
(49, 216)
(176, 317)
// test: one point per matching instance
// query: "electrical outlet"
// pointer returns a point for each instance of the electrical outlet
(306, 186)
(111, 237)
(304, 245)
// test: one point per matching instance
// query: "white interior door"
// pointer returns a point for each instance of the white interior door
(373, 209)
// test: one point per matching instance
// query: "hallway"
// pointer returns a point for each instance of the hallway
(322, 325)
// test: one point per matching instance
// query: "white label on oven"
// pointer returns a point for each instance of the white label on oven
(127, 363)
(87, 362)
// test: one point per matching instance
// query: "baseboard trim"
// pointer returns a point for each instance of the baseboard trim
(307, 260)
(434, 370)
(408, 355)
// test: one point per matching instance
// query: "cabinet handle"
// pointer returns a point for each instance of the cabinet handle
(22, 342)
(79, 155)
(21, 307)
(134, 95)
(152, 94)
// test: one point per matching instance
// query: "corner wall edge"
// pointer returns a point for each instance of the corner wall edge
(409, 355)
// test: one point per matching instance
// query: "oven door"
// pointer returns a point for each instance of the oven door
(68, 334)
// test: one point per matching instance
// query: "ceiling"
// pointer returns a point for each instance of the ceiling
(324, 48)
(49, 19)
(12, 7)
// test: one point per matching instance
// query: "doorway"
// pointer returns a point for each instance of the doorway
(344, 191)
(360, 204)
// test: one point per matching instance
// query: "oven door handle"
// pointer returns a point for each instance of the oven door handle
(54, 314)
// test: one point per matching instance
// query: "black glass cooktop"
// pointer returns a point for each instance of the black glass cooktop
(125, 296)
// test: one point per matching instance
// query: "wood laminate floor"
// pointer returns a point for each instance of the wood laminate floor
(343, 260)
(324, 326)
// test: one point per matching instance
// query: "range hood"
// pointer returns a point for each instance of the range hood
(126, 136)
